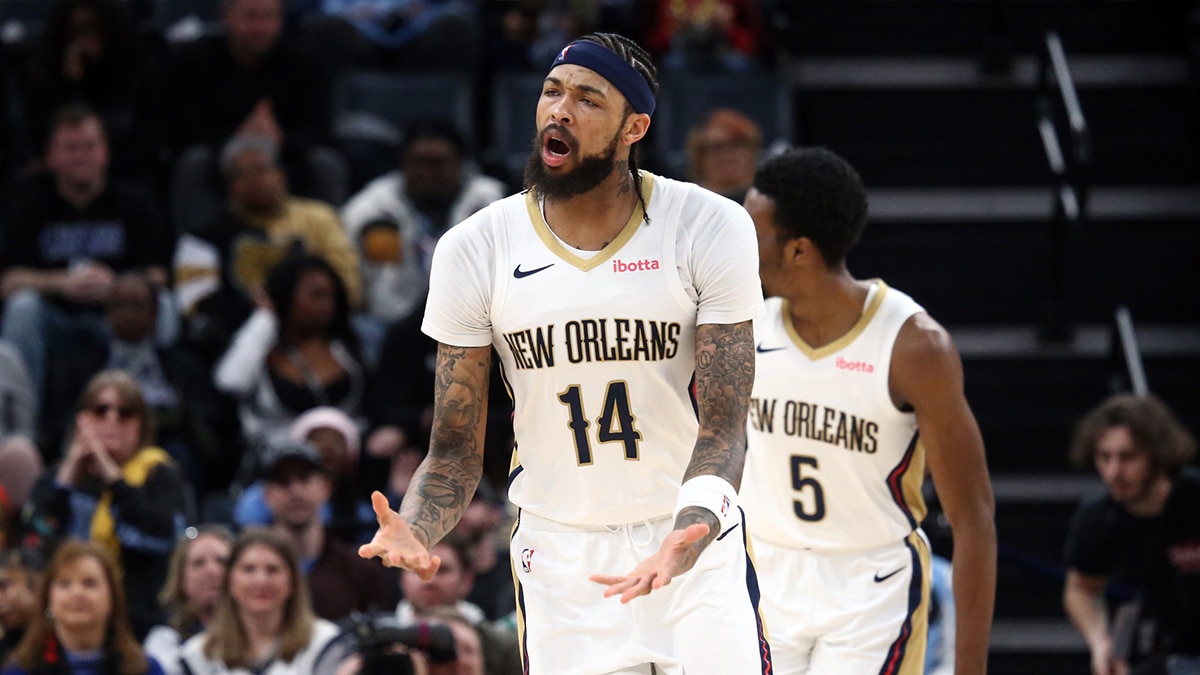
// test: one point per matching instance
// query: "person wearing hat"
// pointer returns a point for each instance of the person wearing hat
(297, 488)
(337, 440)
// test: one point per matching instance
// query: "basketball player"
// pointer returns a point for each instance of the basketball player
(856, 390)
(608, 293)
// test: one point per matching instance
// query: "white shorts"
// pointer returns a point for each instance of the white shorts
(705, 622)
(836, 613)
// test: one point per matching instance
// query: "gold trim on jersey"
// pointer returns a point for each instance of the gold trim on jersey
(586, 264)
(910, 484)
(817, 353)
(917, 641)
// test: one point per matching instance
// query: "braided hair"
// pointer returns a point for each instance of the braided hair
(635, 56)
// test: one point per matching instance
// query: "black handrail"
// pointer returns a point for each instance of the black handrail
(1128, 374)
(1056, 88)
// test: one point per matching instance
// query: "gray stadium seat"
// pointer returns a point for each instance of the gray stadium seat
(402, 98)
(514, 102)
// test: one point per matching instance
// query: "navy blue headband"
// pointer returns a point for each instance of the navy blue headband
(612, 68)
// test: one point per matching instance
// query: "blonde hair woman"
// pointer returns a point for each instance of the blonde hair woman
(195, 582)
(264, 623)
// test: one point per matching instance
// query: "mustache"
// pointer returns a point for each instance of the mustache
(563, 132)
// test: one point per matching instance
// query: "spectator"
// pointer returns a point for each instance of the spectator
(90, 53)
(525, 35)
(250, 81)
(336, 437)
(297, 489)
(723, 153)
(401, 411)
(705, 34)
(264, 622)
(296, 356)
(397, 219)
(20, 469)
(82, 624)
(224, 271)
(117, 490)
(194, 423)
(449, 587)
(17, 402)
(414, 34)
(469, 658)
(65, 236)
(20, 460)
(195, 582)
(20, 572)
(1141, 535)
(481, 525)
(939, 650)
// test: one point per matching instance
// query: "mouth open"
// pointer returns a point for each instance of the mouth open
(556, 147)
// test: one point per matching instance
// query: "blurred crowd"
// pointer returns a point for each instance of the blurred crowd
(210, 347)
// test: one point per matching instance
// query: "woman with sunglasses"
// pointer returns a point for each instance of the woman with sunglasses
(116, 489)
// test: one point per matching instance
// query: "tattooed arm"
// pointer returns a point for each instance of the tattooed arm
(724, 379)
(443, 484)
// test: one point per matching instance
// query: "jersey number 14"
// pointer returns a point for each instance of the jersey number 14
(616, 424)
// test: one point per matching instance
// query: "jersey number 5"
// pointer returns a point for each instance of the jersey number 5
(801, 483)
(615, 424)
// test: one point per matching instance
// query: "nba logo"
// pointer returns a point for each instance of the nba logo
(724, 506)
(563, 53)
(527, 560)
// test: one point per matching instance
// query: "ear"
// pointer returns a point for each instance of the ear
(802, 252)
(636, 126)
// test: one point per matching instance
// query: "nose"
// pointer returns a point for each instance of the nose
(559, 112)
(1108, 469)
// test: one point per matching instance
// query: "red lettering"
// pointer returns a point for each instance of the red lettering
(635, 266)
(854, 366)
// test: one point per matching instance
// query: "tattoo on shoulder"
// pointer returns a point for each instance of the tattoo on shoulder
(724, 379)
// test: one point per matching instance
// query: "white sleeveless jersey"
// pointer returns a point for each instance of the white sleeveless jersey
(598, 352)
(832, 464)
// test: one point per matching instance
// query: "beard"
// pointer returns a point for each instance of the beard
(589, 173)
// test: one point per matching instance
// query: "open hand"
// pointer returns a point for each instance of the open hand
(394, 543)
(677, 555)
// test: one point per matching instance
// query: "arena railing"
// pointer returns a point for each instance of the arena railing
(1057, 97)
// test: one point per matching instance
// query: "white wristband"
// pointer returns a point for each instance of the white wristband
(713, 493)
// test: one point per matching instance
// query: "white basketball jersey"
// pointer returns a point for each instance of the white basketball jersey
(832, 464)
(598, 352)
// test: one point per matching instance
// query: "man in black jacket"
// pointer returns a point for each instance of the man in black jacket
(65, 237)
(1139, 539)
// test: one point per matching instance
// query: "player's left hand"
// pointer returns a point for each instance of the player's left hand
(676, 556)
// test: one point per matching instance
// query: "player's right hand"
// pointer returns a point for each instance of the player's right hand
(394, 543)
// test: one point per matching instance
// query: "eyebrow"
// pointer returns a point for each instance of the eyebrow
(583, 87)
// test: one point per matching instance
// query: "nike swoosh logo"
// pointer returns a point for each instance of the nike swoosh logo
(887, 576)
(764, 350)
(518, 273)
